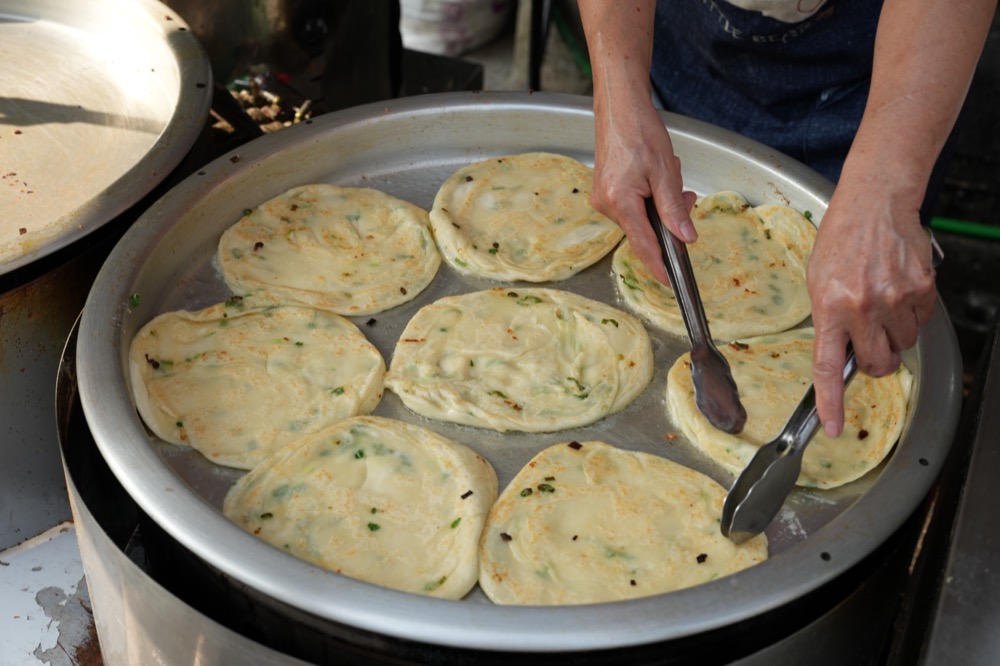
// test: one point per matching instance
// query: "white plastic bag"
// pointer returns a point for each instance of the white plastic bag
(452, 27)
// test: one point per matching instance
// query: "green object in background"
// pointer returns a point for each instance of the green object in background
(572, 44)
(965, 228)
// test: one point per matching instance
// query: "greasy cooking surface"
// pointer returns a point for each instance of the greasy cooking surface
(100, 101)
(407, 148)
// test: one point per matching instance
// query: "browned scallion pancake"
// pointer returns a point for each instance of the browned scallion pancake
(749, 264)
(524, 359)
(375, 499)
(586, 522)
(235, 381)
(521, 217)
(353, 251)
(772, 374)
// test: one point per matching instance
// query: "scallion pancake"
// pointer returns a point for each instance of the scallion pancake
(521, 217)
(749, 265)
(375, 499)
(586, 522)
(236, 381)
(353, 251)
(772, 374)
(525, 359)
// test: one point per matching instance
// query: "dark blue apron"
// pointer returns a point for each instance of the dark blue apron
(800, 88)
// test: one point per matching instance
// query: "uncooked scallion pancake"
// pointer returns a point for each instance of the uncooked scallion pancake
(236, 382)
(521, 217)
(749, 264)
(586, 522)
(375, 499)
(353, 251)
(533, 360)
(772, 374)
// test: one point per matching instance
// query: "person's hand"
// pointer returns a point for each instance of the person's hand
(634, 159)
(871, 282)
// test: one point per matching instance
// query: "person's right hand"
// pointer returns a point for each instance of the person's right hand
(634, 159)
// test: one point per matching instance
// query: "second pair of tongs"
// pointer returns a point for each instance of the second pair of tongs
(762, 487)
(758, 493)
(715, 391)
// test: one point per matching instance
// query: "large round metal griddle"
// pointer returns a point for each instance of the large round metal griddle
(100, 101)
(407, 148)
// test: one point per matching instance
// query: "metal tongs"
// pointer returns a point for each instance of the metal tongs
(715, 391)
(761, 488)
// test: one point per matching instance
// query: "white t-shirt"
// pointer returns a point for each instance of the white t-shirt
(789, 11)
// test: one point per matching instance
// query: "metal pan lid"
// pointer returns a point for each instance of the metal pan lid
(100, 102)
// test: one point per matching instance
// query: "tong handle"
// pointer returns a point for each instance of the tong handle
(681, 274)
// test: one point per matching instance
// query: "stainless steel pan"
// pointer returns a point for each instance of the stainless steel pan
(407, 148)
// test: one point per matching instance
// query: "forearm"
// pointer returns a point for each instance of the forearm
(925, 55)
(633, 154)
(620, 41)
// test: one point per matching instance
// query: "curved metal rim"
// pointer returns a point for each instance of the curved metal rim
(192, 107)
(194, 523)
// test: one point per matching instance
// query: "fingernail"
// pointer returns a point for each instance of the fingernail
(831, 429)
(688, 234)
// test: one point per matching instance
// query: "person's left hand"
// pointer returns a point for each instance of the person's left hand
(871, 282)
